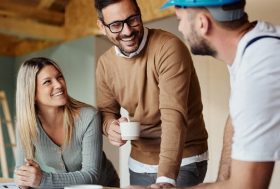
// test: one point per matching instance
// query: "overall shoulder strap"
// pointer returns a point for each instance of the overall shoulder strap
(260, 37)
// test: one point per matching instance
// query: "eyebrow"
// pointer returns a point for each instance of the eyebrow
(46, 78)
(123, 19)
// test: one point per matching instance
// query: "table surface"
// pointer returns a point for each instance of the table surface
(6, 180)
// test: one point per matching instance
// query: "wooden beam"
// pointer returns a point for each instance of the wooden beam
(151, 10)
(45, 4)
(25, 11)
(80, 19)
(31, 29)
(7, 45)
(7, 50)
(4, 13)
(25, 47)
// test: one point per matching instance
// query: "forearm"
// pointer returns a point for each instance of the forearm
(225, 161)
(171, 150)
(244, 175)
(217, 185)
(59, 180)
(106, 103)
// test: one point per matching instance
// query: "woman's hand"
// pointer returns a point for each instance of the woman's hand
(29, 175)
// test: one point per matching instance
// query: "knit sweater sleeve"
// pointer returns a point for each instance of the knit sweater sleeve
(106, 101)
(175, 70)
(91, 155)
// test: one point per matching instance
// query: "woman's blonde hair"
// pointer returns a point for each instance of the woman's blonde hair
(26, 111)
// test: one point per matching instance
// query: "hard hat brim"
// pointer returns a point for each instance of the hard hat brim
(198, 3)
(167, 4)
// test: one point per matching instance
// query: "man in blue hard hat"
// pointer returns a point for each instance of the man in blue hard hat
(220, 28)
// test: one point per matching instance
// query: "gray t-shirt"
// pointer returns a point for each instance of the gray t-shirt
(82, 162)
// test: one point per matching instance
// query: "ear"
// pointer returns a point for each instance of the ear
(101, 27)
(204, 24)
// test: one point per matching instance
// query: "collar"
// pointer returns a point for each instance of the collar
(131, 55)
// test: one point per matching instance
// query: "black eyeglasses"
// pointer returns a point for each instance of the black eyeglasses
(117, 26)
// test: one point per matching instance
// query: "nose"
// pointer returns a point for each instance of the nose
(57, 83)
(126, 29)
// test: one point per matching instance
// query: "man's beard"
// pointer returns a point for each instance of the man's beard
(202, 47)
(138, 35)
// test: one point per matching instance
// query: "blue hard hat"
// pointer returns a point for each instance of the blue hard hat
(214, 7)
(198, 3)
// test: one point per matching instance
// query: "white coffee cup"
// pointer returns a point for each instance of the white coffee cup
(84, 186)
(130, 130)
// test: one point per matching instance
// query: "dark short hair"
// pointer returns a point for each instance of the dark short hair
(101, 4)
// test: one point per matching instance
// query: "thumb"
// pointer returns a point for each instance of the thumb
(123, 119)
(31, 162)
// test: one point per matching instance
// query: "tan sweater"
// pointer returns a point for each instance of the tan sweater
(160, 89)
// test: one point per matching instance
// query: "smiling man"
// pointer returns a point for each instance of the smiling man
(150, 73)
(220, 28)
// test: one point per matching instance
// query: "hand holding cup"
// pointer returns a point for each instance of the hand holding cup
(130, 130)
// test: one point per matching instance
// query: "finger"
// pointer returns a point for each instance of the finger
(19, 179)
(27, 178)
(114, 132)
(116, 137)
(25, 168)
(116, 140)
(32, 162)
(115, 129)
(31, 179)
(156, 186)
(136, 187)
(161, 185)
(19, 172)
(118, 144)
(23, 187)
(123, 119)
(28, 171)
(23, 177)
(23, 184)
(115, 143)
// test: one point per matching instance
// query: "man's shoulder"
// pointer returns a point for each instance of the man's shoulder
(163, 40)
(161, 35)
(262, 30)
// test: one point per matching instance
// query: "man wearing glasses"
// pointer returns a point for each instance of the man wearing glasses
(150, 73)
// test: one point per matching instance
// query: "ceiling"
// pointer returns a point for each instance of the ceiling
(30, 25)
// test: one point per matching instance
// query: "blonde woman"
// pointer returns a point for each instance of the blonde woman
(59, 139)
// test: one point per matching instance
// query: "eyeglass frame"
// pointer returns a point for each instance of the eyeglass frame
(123, 22)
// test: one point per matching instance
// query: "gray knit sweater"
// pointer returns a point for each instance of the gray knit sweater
(82, 162)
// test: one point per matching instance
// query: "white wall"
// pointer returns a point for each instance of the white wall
(214, 82)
